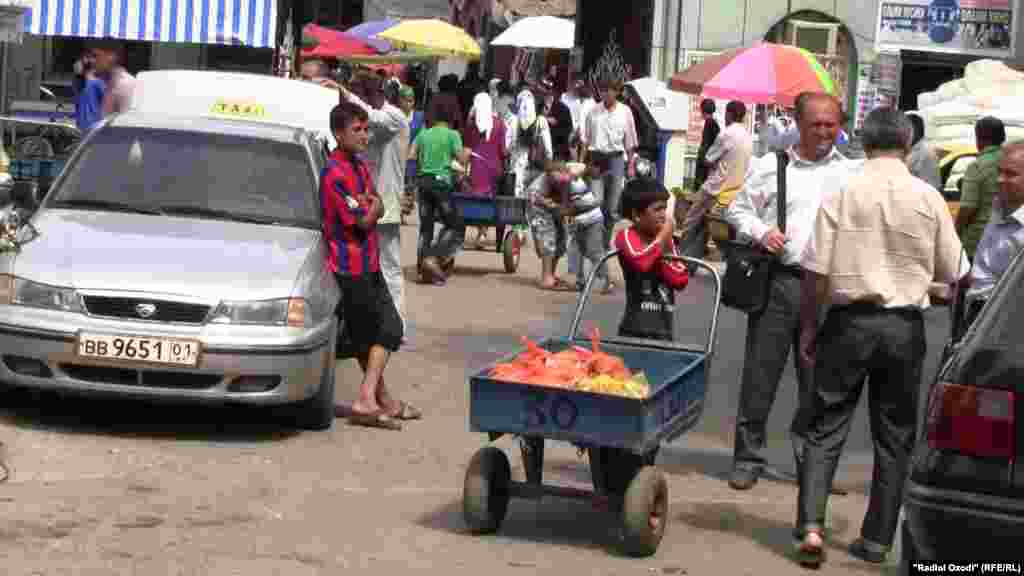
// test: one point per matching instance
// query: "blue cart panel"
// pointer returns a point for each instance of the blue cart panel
(677, 379)
(498, 210)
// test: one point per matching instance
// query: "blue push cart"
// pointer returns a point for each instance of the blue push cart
(620, 435)
(501, 212)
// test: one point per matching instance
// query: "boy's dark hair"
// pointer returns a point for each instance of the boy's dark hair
(344, 114)
(640, 194)
(442, 110)
(707, 106)
(612, 84)
(990, 130)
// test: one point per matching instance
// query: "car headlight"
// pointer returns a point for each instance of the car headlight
(22, 292)
(280, 312)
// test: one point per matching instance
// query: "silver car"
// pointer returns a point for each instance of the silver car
(178, 257)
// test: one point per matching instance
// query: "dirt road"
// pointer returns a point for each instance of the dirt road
(102, 487)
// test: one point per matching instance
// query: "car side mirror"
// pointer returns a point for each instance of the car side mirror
(25, 195)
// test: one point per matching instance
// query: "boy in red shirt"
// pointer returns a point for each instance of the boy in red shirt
(351, 210)
(651, 281)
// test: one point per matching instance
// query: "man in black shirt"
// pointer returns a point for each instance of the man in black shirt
(711, 130)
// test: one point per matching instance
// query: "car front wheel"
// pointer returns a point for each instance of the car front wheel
(317, 412)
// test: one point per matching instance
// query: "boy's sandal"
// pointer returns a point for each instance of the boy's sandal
(407, 411)
(558, 287)
(378, 420)
(609, 289)
(811, 554)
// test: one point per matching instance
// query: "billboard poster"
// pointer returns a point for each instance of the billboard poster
(975, 27)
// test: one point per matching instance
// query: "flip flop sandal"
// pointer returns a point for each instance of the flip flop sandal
(810, 555)
(407, 411)
(374, 421)
(558, 287)
(609, 289)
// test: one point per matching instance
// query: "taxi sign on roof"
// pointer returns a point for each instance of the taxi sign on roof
(236, 96)
(238, 109)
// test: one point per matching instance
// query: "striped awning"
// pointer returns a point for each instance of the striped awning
(234, 22)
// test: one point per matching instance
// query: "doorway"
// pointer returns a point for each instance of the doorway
(925, 72)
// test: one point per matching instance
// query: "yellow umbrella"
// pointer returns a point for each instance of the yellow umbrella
(433, 36)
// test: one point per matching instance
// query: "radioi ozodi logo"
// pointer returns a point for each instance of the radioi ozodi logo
(943, 20)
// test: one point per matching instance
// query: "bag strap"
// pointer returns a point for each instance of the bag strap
(780, 179)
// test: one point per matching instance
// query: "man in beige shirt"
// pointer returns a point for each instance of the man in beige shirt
(880, 238)
(729, 159)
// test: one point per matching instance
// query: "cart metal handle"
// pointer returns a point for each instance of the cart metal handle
(712, 329)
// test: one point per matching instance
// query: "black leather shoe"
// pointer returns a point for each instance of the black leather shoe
(743, 478)
(873, 553)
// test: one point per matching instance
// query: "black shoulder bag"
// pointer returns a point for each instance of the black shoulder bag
(749, 267)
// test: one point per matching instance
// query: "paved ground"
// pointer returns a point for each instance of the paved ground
(103, 487)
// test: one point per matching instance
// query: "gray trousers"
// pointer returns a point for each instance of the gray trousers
(608, 189)
(589, 243)
(771, 335)
(887, 348)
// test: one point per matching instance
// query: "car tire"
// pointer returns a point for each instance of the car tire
(317, 412)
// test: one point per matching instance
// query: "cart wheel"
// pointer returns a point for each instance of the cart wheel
(644, 512)
(511, 249)
(485, 494)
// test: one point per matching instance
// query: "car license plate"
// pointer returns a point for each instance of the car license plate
(139, 349)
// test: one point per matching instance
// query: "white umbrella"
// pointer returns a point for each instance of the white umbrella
(539, 32)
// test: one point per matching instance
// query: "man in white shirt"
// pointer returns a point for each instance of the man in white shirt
(611, 138)
(773, 333)
(573, 100)
(729, 160)
(1003, 238)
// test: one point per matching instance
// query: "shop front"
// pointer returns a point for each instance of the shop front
(936, 39)
(192, 34)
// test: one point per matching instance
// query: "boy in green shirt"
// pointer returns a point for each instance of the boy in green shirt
(434, 150)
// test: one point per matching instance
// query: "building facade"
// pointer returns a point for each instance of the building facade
(899, 48)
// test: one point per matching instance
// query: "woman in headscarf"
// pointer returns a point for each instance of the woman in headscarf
(485, 137)
(531, 143)
(529, 154)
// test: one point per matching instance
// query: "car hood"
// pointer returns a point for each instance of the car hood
(199, 258)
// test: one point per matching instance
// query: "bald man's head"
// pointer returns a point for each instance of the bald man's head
(1011, 176)
(818, 117)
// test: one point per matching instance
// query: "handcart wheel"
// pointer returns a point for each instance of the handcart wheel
(644, 512)
(511, 249)
(485, 494)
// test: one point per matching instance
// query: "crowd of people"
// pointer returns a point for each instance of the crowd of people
(489, 139)
(867, 238)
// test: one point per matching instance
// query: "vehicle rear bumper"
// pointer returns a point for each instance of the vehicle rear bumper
(940, 520)
(294, 371)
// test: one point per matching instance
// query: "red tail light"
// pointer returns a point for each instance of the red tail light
(970, 420)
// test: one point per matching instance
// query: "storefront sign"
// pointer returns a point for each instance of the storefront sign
(977, 27)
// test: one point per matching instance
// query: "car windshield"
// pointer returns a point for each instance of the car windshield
(192, 174)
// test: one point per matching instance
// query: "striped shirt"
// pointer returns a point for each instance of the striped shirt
(346, 185)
